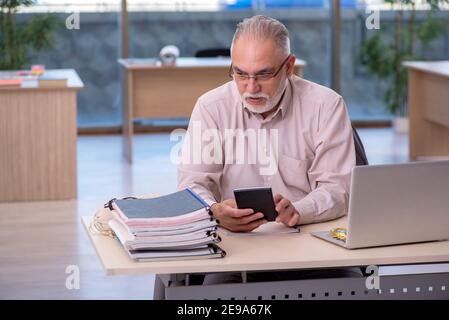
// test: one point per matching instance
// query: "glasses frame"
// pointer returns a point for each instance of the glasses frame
(256, 77)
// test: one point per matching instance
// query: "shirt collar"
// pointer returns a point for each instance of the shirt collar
(287, 99)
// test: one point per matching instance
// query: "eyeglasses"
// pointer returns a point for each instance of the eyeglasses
(240, 76)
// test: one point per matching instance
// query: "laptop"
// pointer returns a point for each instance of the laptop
(396, 204)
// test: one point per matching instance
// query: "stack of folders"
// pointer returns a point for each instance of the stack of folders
(177, 226)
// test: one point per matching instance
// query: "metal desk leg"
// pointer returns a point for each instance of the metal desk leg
(159, 288)
(164, 281)
(127, 112)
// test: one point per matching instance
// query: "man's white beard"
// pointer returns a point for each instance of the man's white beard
(269, 105)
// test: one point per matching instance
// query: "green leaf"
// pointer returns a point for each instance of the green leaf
(383, 57)
(17, 39)
(39, 32)
(11, 4)
(430, 29)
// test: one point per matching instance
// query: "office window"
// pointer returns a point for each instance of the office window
(193, 25)
(133, 5)
(188, 5)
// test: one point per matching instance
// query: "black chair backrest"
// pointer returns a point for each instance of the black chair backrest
(214, 52)
(360, 155)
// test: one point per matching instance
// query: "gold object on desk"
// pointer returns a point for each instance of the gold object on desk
(339, 233)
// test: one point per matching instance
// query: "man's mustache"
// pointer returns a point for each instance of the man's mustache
(255, 95)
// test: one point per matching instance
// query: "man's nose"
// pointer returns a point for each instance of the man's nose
(252, 86)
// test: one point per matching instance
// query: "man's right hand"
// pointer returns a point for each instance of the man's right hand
(234, 219)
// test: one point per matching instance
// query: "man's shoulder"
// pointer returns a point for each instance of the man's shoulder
(226, 93)
(311, 91)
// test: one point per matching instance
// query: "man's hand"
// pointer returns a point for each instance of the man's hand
(234, 219)
(287, 214)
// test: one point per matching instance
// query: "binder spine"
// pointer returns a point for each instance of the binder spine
(193, 193)
(110, 202)
(216, 249)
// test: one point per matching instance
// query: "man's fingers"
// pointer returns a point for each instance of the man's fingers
(250, 218)
(284, 218)
(294, 220)
(238, 213)
(277, 197)
(240, 226)
(289, 210)
(285, 215)
(283, 204)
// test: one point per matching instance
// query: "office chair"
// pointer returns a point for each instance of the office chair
(360, 155)
(213, 52)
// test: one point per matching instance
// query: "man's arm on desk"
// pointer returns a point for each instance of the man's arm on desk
(330, 172)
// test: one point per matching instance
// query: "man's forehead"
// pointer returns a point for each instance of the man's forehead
(255, 54)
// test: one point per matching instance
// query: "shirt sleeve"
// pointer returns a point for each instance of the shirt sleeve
(330, 172)
(201, 164)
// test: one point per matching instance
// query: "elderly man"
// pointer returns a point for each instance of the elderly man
(308, 134)
(272, 114)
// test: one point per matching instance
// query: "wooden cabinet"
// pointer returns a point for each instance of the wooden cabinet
(38, 134)
(428, 100)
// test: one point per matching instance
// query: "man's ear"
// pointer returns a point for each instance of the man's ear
(291, 65)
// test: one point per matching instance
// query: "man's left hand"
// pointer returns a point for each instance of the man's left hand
(287, 214)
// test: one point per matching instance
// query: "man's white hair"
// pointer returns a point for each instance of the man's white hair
(263, 27)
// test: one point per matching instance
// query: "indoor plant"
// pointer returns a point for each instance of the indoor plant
(16, 39)
(385, 51)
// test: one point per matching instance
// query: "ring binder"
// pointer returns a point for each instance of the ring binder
(175, 226)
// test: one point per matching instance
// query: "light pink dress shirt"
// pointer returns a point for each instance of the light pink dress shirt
(315, 149)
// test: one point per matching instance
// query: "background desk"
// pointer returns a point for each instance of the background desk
(277, 252)
(38, 141)
(428, 99)
(152, 91)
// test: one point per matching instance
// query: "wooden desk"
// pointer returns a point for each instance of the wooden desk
(299, 251)
(273, 252)
(152, 91)
(428, 100)
(38, 141)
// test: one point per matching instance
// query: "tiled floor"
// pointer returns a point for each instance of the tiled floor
(38, 240)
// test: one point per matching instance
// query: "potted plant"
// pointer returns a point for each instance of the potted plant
(384, 52)
(16, 39)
